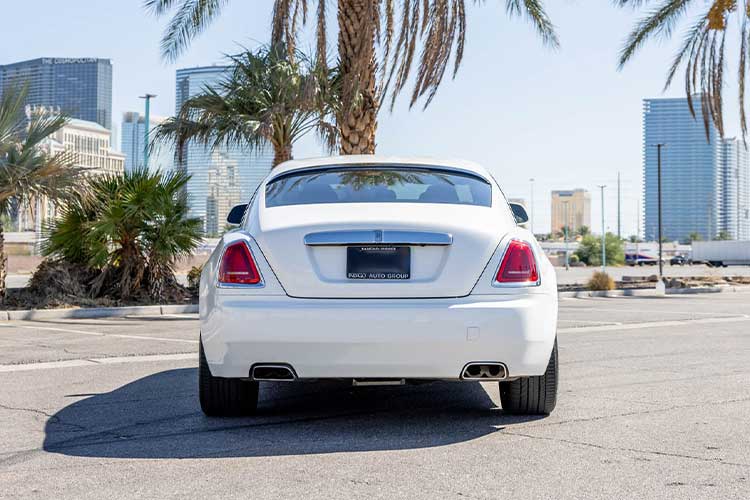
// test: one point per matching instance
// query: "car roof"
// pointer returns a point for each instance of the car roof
(327, 161)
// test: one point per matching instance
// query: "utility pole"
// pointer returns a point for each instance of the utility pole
(604, 232)
(146, 126)
(658, 202)
(637, 230)
(565, 235)
(532, 204)
(619, 227)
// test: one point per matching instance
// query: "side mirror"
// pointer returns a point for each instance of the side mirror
(519, 213)
(236, 214)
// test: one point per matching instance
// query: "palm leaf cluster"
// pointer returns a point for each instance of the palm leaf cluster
(379, 43)
(702, 53)
(268, 98)
(132, 229)
(27, 171)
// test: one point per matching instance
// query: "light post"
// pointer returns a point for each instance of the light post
(658, 205)
(532, 204)
(604, 246)
(146, 126)
(565, 234)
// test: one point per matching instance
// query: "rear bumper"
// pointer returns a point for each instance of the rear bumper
(378, 338)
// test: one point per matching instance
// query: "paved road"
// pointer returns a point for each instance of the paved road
(654, 403)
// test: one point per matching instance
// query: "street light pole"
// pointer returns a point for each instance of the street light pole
(565, 235)
(146, 126)
(532, 204)
(658, 203)
(604, 232)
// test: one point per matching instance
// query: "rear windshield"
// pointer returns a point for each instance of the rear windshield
(378, 185)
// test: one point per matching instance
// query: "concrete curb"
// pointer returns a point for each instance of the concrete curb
(650, 292)
(97, 312)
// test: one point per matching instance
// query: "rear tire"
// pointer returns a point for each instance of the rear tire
(532, 395)
(224, 397)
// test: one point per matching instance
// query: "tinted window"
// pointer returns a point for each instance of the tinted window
(378, 185)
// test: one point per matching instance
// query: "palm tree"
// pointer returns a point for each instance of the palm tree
(27, 172)
(694, 236)
(269, 97)
(372, 35)
(702, 52)
(583, 231)
(131, 228)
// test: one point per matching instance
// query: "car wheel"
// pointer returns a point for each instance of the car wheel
(532, 395)
(224, 397)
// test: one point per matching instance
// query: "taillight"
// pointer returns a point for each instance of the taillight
(518, 264)
(238, 266)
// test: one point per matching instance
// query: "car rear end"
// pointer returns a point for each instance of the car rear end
(378, 272)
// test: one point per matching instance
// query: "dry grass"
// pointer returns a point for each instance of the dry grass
(600, 281)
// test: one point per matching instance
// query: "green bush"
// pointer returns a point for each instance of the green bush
(129, 228)
(590, 250)
(573, 259)
(600, 281)
(194, 278)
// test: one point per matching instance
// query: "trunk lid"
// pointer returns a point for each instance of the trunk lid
(318, 268)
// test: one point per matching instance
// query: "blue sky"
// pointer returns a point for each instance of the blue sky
(565, 117)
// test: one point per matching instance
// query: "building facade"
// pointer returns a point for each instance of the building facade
(89, 145)
(735, 214)
(79, 87)
(571, 209)
(692, 171)
(132, 141)
(225, 176)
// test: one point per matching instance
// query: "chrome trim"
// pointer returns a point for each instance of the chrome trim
(524, 284)
(260, 284)
(481, 378)
(273, 365)
(378, 237)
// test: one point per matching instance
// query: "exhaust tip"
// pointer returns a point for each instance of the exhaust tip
(484, 371)
(273, 372)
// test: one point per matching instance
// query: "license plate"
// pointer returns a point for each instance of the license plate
(378, 263)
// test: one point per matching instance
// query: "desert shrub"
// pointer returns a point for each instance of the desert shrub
(600, 281)
(194, 278)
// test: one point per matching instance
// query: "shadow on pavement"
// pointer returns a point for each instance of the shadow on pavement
(158, 417)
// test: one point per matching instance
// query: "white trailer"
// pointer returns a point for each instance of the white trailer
(722, 253)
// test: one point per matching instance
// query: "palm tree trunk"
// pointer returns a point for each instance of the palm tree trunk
(281, 154)
(3, 264)
(357, 120)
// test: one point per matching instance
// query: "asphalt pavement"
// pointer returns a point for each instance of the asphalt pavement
(653, 403)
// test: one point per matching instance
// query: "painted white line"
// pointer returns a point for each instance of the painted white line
(73, 363)
(653, 324)
(98, 334)
(627, 309)
(600, 323)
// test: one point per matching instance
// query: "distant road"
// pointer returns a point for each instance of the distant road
(582, 274)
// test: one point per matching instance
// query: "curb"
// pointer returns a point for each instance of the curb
(97, 312)
(651, 292)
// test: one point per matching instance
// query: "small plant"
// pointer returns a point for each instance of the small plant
(194, 278)
(601, 281)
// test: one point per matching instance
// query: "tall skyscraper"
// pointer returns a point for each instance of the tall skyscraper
(692, 171)
(79, 87)
(735, 219)
(132, 143)
(571, 208)
(225, 176)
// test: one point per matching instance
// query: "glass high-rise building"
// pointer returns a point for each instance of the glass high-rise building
(736, 189)
(692, 171)
(132, 141)
(78, 87)
(225, 176)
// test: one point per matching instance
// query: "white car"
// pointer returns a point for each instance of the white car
(378, 271)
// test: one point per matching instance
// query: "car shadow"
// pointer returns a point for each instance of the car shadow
(158, 417)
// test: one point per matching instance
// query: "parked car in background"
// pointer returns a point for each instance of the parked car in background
(678, 260)
(378, 271)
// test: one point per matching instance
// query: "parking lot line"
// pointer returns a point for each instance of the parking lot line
(74, 363)
(97, 334)
(653, 324)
